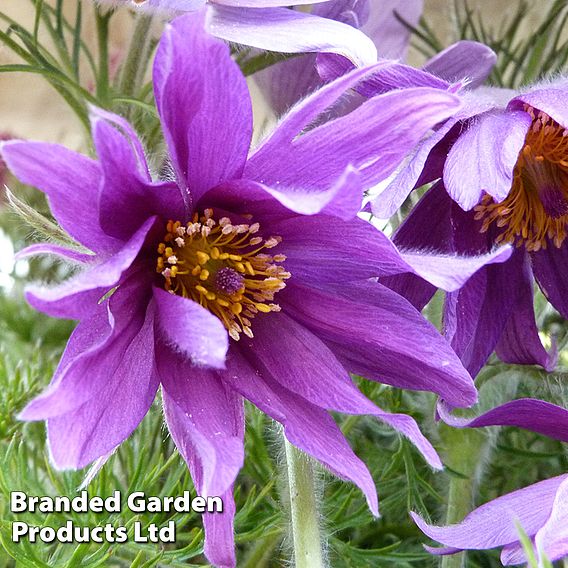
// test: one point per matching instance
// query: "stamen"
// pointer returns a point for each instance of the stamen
(536, 209)
(219, 265)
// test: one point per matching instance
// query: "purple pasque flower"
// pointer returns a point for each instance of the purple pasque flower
(502, 171)
(269, 25)
(287, 82)
(236, 276)
(540, 510)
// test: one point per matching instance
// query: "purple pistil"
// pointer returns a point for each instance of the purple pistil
(228, 280)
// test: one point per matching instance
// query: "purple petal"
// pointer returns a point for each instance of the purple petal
(302, 363)
(520, 343)
(381, 337)
(129, 137)
(166, 6)
(552, 538)
(527, 413)
(59, 173)
(94, 352)
(425, 165)
(128, 195)
(265, 3)
(206, 420)
(205, 108)
(450, 273)
(285, 83)
(46, 248)
(484, 156)
(77, 296)
(220, 534)
(391, 77)
(314, 244)
(464, 59)
(550, 101)
(476, 315)
(191, 329)
(289, 31)
(512, 554)
(97, 427)
(549, 266)
(429, 226)
(374, 138)
(306, 426)
(343, 199)
(494, 524)
(384, 26)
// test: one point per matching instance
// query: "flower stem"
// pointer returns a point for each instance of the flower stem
(136, 63)
(303, 509)
(463, 455)
(103, 76)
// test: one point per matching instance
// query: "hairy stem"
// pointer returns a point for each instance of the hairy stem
(136, 63)
(463, 455)
(303, 509)
(103, 71)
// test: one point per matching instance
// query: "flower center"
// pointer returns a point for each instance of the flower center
(223, 267)
(536, 209)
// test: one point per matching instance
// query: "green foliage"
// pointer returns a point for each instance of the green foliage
(523, 57)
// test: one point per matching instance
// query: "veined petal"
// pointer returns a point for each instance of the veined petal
(69, 255)
(128, 196)
(265, 3)
(549, 266)
(520, 343)
(71, 183)
(381, 336)
(302, 363)
(383, 24)
(287, 82)
(552, 539)
(527, 413)
(552, 101)
(205, 108)
(192, 330)
(358, 251)
(484, 156)
(93, 353)
(307, 426)
(374, 138)
(343, 199)
(464, 59)
(494, 524)
(206, 420)
(77, 296)
(420, 168)
(219, 529)
(102, 423)
(476, 315)
(451, 272)
(388, 78)
(289, 31)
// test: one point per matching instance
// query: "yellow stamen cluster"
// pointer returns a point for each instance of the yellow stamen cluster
(536, 209)
(223, 267)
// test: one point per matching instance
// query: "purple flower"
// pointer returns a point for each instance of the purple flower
(269, 25)
(503, 172)
(235, 276)
(540, 510)
(289, 81)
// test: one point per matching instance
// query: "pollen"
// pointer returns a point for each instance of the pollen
(223, 267)
(536, 210)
